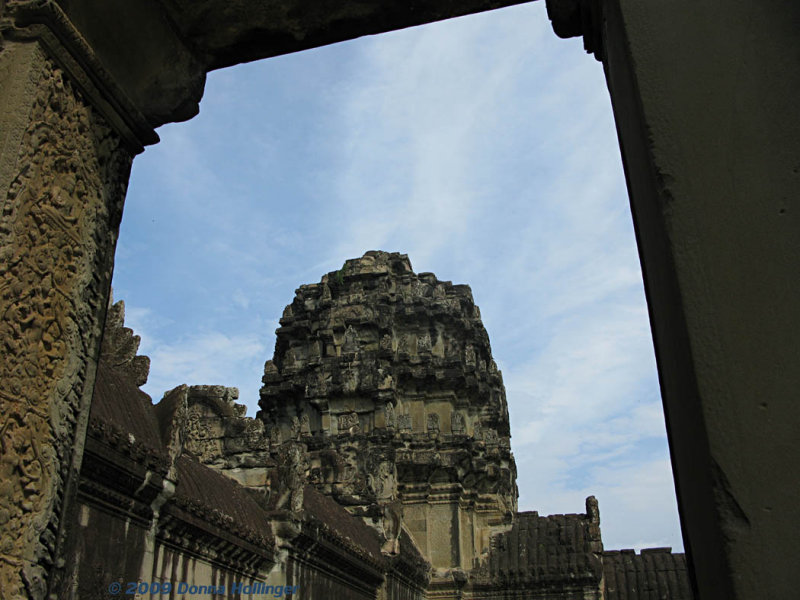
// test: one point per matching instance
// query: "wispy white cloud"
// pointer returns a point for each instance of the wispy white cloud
(207, 358)
(417, 122)
(199, 358)
(636, 501)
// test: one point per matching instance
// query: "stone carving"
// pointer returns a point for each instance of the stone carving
(404, 422)
(59, 221)
(295, 428)
(388, 412)
(457, 423)
(424, 343)
(195, 429)
(305, 425)
(255, 434)
(383, 482)
(392, 523)
(385, 381)
(349, 423)
(433, 423)
(386, 343)
(469, 357)
(199, 440)
(404, 343)
(120, 345)
(292, 476)
(217, 432)
(350, 340)
(346, 473)
(205, 450)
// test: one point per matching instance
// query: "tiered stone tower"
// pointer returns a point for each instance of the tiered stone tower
(383, 395)
(386, 377)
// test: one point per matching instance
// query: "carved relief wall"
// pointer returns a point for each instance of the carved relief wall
(66, 172)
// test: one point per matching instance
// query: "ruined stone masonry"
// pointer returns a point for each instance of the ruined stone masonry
(383, 395)
(387, 378)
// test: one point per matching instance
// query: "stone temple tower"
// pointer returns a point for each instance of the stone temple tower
(385, 379)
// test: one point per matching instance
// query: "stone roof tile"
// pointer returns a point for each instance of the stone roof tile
(120, 410)
(655, 574)
(544, 550)
(220, 500)
(352, 530)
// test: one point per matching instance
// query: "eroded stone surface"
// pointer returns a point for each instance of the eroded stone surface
(386, 377)
(66, 180)
(219, 435)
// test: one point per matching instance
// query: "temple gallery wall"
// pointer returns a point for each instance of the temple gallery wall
(379, 466)
(704, 100)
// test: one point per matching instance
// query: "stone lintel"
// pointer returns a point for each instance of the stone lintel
(227, 32)
(159, 51)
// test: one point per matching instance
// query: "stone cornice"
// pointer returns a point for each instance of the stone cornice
(108, 485)
(578, 18)
(140, 454)
(188, 532)
(44, 21)
(217, 522)
(318, 547)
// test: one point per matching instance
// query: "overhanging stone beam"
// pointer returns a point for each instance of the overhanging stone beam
(231, 32)
(160, 50)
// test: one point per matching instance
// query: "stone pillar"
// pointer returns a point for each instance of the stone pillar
(705, 100)
(66, 144)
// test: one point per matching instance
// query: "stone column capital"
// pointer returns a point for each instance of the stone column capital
(45, 22)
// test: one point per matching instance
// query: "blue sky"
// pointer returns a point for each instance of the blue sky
(484, 148)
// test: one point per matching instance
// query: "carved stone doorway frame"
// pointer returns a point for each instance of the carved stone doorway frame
(704, 96)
